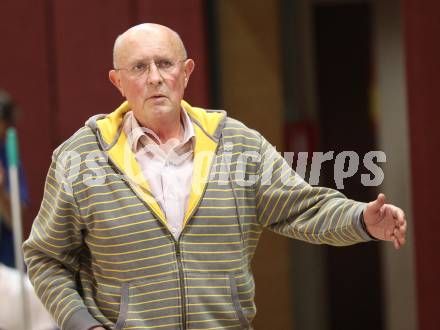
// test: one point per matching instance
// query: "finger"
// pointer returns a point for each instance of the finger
(403, 227)
(399, 234)
(395, 238)
(402, 241)
(399, 218)
(378, 203)
(402, 233)
(398, 213)
(396, 244)
(396, 234)
(402, 221)
(386, 213)
(396, 217)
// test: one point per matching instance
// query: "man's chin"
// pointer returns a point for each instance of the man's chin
(160, 109)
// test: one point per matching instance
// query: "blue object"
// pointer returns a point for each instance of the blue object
(6, 236)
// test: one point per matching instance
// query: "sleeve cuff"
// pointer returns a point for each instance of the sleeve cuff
(359, 223)
(80, 319)
(364, 227)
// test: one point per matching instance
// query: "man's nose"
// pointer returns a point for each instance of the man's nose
(153, 74)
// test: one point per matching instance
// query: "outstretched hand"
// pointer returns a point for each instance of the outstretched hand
(385, 221)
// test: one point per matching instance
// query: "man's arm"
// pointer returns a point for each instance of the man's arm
(288, 205)
(51, 254)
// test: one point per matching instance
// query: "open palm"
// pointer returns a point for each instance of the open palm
(385, 221)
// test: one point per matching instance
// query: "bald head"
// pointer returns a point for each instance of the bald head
(122, 42)
(151, 73)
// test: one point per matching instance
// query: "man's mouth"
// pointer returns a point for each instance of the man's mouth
(157, 96)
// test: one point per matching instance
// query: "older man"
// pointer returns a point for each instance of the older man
(151, 214)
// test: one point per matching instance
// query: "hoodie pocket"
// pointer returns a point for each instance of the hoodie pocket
(150, 303)
(213, 301)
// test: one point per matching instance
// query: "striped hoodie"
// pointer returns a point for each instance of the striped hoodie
(100, 251)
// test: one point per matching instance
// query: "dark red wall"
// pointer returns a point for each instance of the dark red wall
(54, 61)
(24, 73)
(422, 31)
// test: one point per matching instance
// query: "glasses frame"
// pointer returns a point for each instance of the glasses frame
(148, 67)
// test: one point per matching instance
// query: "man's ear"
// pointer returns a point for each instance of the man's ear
(114, 78)
(189, 68)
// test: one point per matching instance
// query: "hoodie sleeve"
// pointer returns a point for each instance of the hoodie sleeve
(289, 206)
(52, 249)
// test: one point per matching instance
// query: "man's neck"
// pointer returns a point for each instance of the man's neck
(167, 128)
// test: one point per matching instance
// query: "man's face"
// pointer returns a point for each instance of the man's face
(151, 87)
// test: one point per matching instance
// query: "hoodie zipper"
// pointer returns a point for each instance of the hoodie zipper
(181, 282)
(179, 255)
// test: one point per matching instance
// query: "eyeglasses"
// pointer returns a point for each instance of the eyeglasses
(166, 67)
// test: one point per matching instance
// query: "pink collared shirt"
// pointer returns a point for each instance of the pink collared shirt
(167, 167)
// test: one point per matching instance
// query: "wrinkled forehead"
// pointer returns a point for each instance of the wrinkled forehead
(147, 45)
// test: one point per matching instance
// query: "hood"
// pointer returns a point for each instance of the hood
(208, 126)
(108, 127)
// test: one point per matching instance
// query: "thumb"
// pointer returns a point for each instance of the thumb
(376, 205)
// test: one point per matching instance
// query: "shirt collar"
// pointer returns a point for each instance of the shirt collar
(188, 127)
(135, 132)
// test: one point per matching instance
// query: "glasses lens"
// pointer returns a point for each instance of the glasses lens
(164, 66)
